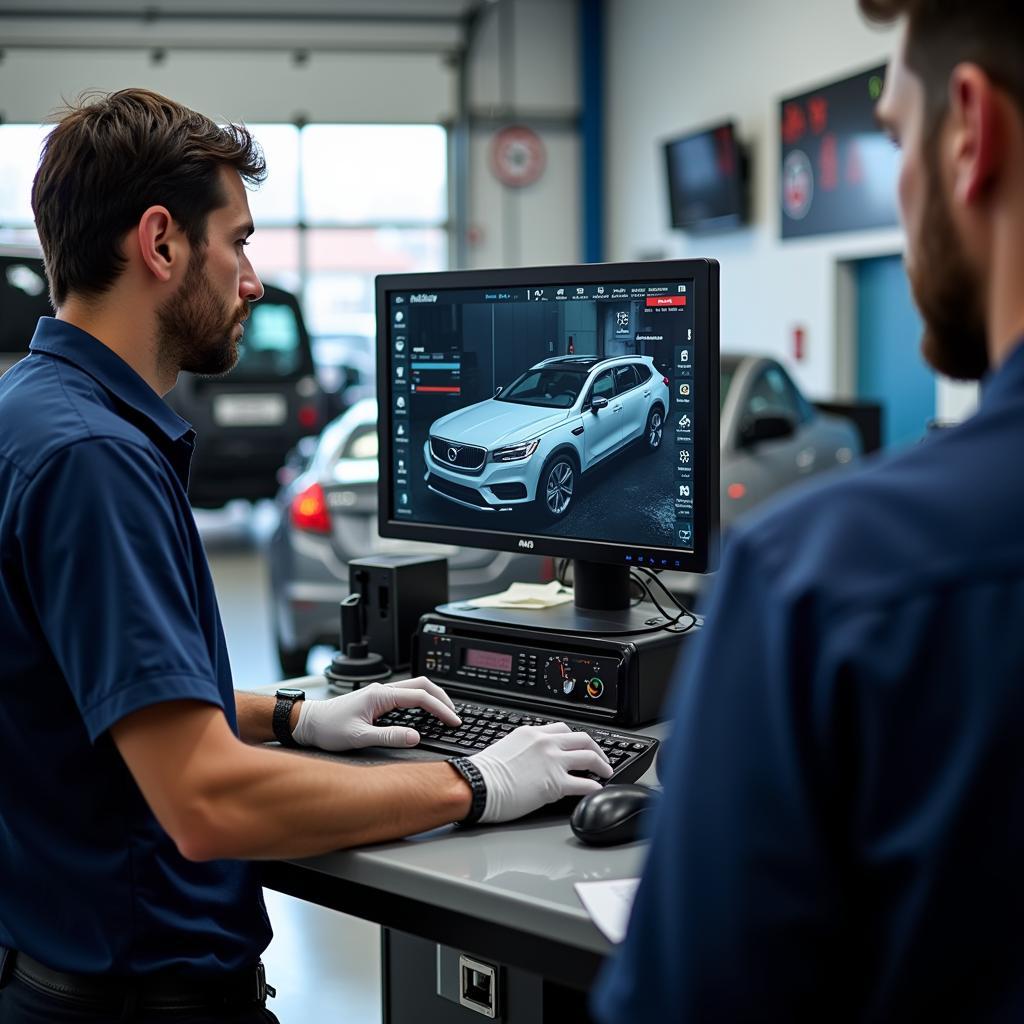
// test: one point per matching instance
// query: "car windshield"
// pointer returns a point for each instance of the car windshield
(271, 348)
(24, 298)
(549, 386)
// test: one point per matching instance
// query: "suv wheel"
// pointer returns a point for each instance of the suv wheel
(557, 486)
(654, 430)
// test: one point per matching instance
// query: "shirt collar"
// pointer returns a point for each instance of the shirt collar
(72, 344)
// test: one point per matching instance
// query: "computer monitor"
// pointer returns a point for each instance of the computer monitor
(562, 411)
(707, 180)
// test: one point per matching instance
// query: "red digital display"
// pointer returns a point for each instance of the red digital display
(488, 659)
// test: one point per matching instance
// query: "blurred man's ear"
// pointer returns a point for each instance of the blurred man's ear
(977, 133)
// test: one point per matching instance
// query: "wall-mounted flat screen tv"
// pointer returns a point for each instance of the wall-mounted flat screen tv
(707, 179)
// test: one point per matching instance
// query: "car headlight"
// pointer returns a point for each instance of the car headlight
(515, 452)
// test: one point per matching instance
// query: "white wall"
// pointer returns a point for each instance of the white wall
(255, 86)
(673, 65)
(524, 68)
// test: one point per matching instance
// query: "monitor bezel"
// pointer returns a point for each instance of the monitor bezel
(705, 276)
(735, 218)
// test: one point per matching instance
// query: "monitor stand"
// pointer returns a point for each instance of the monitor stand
(601, 607)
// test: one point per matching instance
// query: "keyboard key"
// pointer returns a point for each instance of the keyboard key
(484, 724)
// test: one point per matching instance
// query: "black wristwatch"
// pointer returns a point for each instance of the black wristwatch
(286, 698)
(469, 771)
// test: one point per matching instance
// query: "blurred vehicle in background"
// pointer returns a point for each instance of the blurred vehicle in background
(24, 298)
(328, 516)
(771, 435)
(247, 420)
(346, 369)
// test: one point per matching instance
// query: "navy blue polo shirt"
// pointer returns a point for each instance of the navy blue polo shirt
(106, 607)
(842, 831)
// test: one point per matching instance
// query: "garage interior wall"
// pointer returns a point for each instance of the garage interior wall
(523, 68)
(677, 65)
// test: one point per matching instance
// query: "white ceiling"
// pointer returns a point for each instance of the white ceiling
(299, 9)
(315, 25)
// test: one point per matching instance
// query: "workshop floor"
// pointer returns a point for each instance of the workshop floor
(325, 965)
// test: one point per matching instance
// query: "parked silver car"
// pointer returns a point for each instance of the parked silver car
(328, 515)
(772, 436)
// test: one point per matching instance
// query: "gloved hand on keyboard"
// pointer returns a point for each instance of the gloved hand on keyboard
(530, 767)
(346, 722)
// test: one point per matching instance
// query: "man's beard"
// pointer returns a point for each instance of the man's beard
(195, 328)
(947, 289)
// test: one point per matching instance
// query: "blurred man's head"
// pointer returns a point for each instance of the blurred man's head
(134, 176)
(954, 101)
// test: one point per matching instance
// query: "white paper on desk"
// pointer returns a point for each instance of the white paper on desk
(526, 595)
(608, 904)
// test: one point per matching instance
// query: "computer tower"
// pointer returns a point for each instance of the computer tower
(397, 590)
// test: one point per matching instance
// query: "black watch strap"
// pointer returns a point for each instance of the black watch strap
(469, 771)
(282, 716)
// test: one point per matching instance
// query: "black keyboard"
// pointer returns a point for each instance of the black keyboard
(483, 724)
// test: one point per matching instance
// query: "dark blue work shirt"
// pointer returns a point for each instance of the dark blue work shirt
(106, 607)
(842, 831)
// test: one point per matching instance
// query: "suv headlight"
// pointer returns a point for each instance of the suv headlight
(515, 452)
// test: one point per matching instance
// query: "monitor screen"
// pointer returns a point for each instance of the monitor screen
(706, 180)
(567, 411)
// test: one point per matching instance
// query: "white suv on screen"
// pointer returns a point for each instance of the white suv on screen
(533, 440)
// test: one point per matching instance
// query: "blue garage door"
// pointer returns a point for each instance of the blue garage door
(890, 367)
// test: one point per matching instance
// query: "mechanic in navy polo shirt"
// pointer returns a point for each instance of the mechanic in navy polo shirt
(134, 784)
(841, 836)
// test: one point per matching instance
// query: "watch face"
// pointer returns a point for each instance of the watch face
(289, 691)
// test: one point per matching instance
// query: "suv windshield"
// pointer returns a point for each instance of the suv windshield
(547, 386)
(24, 298)
(271, 346)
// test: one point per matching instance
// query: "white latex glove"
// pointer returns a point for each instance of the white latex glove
(346, 722)
(530, 767)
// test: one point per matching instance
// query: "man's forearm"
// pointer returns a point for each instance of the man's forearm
(256, 716)
(267, 804)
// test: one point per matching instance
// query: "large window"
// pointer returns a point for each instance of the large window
(20, 148)
(341, 203)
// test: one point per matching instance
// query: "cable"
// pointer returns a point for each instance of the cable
(672, 620)
(656, 578)
(562, 570)
(683, 610)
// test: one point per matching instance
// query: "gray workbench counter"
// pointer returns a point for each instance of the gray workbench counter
(510, 885)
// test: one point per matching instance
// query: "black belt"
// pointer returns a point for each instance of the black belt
(153, 992)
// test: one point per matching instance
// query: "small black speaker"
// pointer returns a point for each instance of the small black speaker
(396, 590)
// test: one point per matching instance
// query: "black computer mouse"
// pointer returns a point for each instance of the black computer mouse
(613, 815)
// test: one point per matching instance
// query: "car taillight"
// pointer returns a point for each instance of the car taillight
(665, 381)
(309, 418)
(309, 510)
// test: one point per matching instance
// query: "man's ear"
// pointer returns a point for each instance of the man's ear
(978, 133)
(163, 247)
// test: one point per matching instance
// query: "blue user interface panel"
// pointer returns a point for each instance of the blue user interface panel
(558, 411)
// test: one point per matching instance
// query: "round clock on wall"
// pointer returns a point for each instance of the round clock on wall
(517, 156)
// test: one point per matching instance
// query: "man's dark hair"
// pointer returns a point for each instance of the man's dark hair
(944, 33)
(109, 158)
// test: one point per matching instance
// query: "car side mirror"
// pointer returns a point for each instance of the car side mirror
(498, 391)
(598, 403)
(766, 428)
